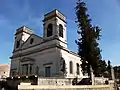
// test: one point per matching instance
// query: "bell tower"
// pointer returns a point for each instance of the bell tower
(22, 34)
(55, 26)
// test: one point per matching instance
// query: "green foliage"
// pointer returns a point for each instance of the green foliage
(117, 72)
(102, 68)
(88, 46)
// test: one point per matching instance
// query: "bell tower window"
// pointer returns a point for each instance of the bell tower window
(60, 30)
(49, 30)
(31, 40)
(17, 44)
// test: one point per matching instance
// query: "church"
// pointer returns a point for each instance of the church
(46, 56)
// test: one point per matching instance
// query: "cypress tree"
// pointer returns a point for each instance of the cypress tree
(88, 46)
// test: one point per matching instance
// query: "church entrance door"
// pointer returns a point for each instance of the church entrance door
(47, 71)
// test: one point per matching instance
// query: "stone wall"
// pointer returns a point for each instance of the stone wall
(70, 87)
(54, 81)
(62, 82)
(100, 80)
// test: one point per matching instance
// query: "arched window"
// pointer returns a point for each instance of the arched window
(31, 40)
(78, 71)
(62, 65)
(37, 70)
(60, 30)
(17, 44)
(49, 30)
(30, 69)
(71, 67)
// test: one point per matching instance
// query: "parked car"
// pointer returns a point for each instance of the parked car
(85, 81)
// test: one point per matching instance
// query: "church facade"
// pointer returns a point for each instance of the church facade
(46, 56)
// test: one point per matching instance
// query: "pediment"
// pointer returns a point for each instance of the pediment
(27, 59)
(32, 41)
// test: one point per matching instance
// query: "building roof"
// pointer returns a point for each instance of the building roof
(54, 13)
(24, 29)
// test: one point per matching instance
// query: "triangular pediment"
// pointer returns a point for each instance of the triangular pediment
(33, 40)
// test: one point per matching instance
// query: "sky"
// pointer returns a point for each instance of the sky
(104, 13)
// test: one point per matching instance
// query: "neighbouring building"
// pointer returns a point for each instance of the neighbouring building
(46, 56)
(4, 70)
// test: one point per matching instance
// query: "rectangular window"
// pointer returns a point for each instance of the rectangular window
(13, 72)
(47, 71)
(25, 69)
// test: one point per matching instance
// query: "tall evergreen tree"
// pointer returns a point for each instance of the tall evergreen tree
(102, 68)
(117, 72)
(109, 69)
(88, 46)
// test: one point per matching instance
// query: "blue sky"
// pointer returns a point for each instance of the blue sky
(104, 13)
